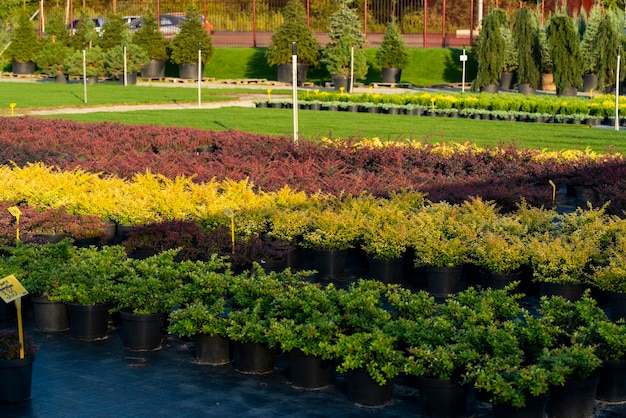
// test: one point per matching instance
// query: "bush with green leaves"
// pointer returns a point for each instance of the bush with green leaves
(192, 36)
(151, 39)
(294, 29)
(51, 58)
(564, 47)
(526, 36)
(393, 52)
(24, 44)
(489, 48)
(94, 62)
(136, 59)
(346, 33)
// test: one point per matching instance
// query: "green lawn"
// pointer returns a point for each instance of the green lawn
(316, 124)
(50, 94)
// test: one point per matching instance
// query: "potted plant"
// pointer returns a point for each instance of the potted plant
(136, 59)
(500, 256)
(441, 247)
(152, 40)
(94, 64)
(605, 44)
(307, 321)
(16, 366)
(331, 233)
(546, 67)
(346, 35)
(564, 47)
(294, 29)
(51, 59)
(588, 46)
(251, 309)
(202, 313)
(38, 267)
(563, 262)
(511, 58)
(385, 238)
(526, 38)
(86, 286)
(489, 48)
(144, 298)
(365, 350)
(190, 45)
(393, 55)
(609, 338)
(610, 274)
(23, 47)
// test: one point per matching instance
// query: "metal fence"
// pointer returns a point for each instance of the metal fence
(251, 22)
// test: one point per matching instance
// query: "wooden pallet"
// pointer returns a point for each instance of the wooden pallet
(392, 85)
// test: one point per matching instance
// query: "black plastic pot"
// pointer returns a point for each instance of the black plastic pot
(89, 322)
(575, 399)
(154, 69)
(392, 75)
(572, 292)
(535, 408)
(443, 398)
(143, 332)
(50, 316)
(309, 372)
(16, 379)
(213, 350)
(364, 390)
(612, 384)
(617, 305)
(253, 358)
(285, 73)
(27, 67)
(330, 264)
(387, 271)
(443, 281)
(189, 71)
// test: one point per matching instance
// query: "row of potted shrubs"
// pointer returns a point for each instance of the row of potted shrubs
(574, 248)
(599, 105)
(485, 338)
(417, 110)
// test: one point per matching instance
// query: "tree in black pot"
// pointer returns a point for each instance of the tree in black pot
(136, 59)
(393, 54)
(115, 31)
(51, 58)
(588, 29)
(526, 35)
(294, 29)
(346, 33)
(24, 46)
(489, 49)
(564, 46)
(152, 40)
(605, 46)
(193, 36)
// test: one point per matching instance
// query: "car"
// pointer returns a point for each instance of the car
(168, 24)
(97, 21)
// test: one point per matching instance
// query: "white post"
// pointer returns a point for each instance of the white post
(125, 68)
(480, 14)
(463, 59)
(294, 83)
(619, 51)
(84, 74)
(199, 75)
(351, 70)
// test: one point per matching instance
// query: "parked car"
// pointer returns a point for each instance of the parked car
(168, 24)
(98, 22)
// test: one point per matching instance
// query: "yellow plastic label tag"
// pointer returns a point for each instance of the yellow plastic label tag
(15, 211)
(11, 289)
